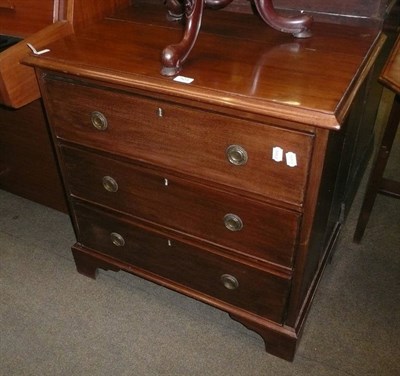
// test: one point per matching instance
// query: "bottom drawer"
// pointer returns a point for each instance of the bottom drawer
(233, 282)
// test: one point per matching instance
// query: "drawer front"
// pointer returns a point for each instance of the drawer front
(246, 226)
(211, 146)
(239, 284)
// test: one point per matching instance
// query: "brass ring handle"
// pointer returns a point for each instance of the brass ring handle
(229, 281)
(236, 155)
(233, 222)
(117, 239)
(110, 184)
(99, 121)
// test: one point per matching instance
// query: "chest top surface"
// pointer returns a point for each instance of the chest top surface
(238, 62)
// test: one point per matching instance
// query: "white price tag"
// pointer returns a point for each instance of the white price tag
(183, 79)
(291, 159)
(277, 154)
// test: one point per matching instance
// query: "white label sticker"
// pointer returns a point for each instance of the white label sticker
(291, 159)
(183, 79)
(277, 154)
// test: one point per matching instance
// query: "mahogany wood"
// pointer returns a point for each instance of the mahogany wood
(266, 68)
(28, 157)
(258, 291)
(369, 8)
(83, 13)
(184, 206)
(88, 266)
(338, 11)
(25, 17)
(174, 55)
(27, 160)
(32, 20)
(279, 340)
(275, 343)
(18, 84)
(253, 86)
(158, 140)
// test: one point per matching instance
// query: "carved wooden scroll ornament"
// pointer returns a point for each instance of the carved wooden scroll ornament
(174, 55)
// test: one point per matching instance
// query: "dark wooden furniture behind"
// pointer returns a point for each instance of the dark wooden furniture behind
(390, 77)
(27, 161)
(28, 165)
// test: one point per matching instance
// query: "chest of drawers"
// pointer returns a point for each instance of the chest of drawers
(226, 190)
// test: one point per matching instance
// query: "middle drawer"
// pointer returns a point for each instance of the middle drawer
(241, 225)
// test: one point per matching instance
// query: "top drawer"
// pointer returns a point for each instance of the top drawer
(227, 150)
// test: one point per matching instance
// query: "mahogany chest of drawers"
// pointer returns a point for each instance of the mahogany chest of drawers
(229, 189)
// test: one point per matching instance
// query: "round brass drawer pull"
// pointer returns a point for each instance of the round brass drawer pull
(236, 155)
(229, 281)
(99, 121)
(110, 184)
(117, 239)
(233, 222)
